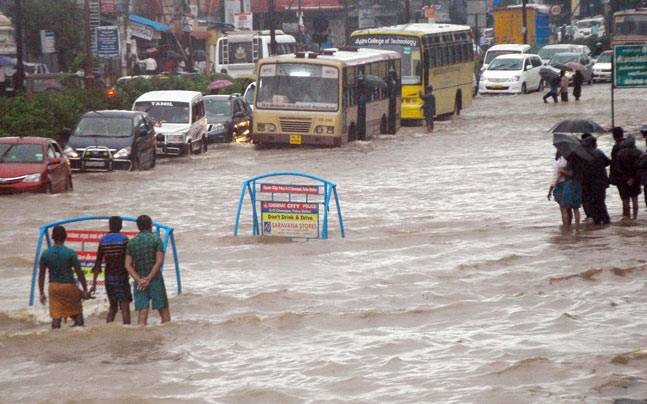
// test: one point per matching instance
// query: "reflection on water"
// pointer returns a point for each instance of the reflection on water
(455, 282)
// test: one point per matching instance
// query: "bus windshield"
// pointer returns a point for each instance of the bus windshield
(407, 46)
(298, 86)
(631, 24)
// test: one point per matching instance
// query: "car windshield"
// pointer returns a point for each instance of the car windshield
(505, 64)
(21, 153)
(605, 57)
(546, 53)
(104, 127)
(563, 58)
(491, 54)
(217, 107)
(165, 111)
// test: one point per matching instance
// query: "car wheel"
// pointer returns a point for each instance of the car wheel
(524, 89)
(205, 145)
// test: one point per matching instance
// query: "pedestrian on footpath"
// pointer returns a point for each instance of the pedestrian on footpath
(112, 250)
(578, 79)
(144, 256)
(595, 181)
(563, 86)
(64, 296)
(429, 107)
(554, 89)
(628, 179)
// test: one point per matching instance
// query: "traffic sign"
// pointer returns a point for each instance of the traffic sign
(555, 9)
(630, 66)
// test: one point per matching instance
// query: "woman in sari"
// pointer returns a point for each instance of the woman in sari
(64, 296)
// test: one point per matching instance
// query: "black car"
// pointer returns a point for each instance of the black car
(107, 140)
(229, 118)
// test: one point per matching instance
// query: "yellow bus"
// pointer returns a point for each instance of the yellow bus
(440, 55)
(327, 98)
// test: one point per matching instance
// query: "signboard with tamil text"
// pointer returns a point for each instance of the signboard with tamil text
(630, 66)
(108, 44)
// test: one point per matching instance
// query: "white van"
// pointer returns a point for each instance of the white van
(236, 53)
(548, 51)
(181, 121)
(502, 49)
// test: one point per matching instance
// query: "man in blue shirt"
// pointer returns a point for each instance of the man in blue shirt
(112, 250)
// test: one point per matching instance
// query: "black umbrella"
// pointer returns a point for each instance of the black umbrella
(568, 144)
(548, 74)
(577, 126)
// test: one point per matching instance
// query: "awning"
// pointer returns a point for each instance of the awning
(157, 26)
(262, 6)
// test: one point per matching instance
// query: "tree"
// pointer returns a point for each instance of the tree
(63, 17)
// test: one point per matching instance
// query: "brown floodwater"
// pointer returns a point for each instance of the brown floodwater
(455, 282)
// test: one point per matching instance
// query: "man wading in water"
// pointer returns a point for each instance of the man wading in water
(112, 249)
(64, 296)
(429, 107)
(144, 256)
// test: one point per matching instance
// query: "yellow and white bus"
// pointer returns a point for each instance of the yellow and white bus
(440, 55)
(327, 98)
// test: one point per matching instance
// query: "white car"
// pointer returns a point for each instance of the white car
(549, 51)
(502, 49)
(603, 67)
(514, 73)
(589, 27)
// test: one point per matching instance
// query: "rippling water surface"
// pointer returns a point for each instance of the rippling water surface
(455, 282)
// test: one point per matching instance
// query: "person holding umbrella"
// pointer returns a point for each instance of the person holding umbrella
(628, 181)
(563, 85)
(577, 84)
(550, 77)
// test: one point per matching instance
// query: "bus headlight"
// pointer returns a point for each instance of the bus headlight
(266, 127)
(321, 129)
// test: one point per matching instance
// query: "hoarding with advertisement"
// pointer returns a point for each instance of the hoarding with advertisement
(286, 219)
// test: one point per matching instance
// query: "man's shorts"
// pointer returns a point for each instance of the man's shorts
(118, 289)
(154, 295)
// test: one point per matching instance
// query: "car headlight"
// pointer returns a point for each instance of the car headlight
(218, 127)
(32, 178)
(70, 152)
(123, 153)
(514, 78)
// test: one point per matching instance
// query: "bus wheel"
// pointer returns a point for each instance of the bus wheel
(458, 104)
(384, 125)
(352, 132)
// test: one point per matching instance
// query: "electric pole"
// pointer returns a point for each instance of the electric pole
(87, 65)
(20, 69)
(272, 29)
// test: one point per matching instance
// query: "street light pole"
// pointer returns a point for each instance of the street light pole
(272, 29)
(20, 69)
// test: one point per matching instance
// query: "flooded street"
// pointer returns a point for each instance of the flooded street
(454, 284)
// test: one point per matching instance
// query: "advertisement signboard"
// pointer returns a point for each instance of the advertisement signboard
(140, 30)
(630, 66)
(108, 44)
(47, 42)
(290, 219)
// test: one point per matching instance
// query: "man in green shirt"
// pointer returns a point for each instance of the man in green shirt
(64, 296)
(144, 257)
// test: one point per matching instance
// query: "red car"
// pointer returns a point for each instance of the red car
(33, 164)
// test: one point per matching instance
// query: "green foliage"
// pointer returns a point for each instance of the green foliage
(63, 17)
(46, 114)
(597, 45)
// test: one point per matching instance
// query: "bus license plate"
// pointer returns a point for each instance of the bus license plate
(295, 139)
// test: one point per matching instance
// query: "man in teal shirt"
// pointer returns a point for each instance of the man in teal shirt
(144, 257)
